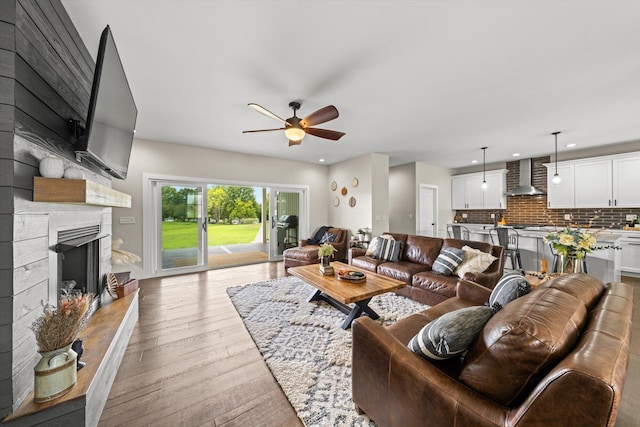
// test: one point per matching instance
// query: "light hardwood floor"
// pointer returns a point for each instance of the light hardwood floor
(191, 362)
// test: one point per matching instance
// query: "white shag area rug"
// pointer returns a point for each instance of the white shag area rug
(303, 344)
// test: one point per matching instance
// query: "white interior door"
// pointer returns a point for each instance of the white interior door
(428, 218)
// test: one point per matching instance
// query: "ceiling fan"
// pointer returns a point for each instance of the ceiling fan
(295, 128)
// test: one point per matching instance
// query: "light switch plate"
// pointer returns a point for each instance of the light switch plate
(567, 217)
(464, 215)
(127, 220)
(631, 217)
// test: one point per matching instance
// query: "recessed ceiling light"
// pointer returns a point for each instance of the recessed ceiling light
(570, 145)
(321, 160)
(515, 154)
(474, 161)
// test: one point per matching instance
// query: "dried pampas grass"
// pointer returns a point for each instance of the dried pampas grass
(120, 256)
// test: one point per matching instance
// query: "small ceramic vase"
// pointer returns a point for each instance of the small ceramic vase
(73, 173)
(51, 167)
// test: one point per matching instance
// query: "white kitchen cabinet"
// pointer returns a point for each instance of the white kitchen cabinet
(630, 253)
(626, 177)
(598, 182)
(494, 197)
(560, 195)
(467, 193)
(592, 183)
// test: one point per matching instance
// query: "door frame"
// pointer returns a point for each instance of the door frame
(149, 211)
(273, 217)
(435, 208)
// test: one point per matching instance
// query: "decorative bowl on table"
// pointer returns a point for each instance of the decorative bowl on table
(351, 276)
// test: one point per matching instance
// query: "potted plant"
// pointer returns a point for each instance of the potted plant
(56, 330)
(325, 252)
(362, 233)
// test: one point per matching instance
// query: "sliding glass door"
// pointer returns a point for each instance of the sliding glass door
(285, 211)
(182, 235)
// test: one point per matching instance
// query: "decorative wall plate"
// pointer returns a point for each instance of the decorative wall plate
(344, 191)
(336, 201)
(334, 186)
(354, 182)
(352, 201)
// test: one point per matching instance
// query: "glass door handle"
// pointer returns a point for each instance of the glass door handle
(204, 223)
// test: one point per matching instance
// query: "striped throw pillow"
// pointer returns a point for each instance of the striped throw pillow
(388, 250)
(447, 261)
(509, 287)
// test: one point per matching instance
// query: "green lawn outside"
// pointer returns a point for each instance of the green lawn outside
(177, 235)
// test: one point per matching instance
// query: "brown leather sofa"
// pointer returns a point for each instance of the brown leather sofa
(555, 357)
(414, 267)
(307, 253)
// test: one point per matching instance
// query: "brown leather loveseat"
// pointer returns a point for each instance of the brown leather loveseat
(555, 357)
(415, 266)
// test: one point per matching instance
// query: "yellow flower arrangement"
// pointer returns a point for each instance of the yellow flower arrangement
(573, 243)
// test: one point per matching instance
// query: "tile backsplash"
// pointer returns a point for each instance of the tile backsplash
(533, 209)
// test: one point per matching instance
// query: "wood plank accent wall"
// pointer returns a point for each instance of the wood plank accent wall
(533, 209)
(46, 74)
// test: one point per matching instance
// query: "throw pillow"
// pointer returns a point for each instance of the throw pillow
(475, 261)
(328, 237)
(373, 245)
(509, 287)
(447, 261)
(388, 250)
(450, 334)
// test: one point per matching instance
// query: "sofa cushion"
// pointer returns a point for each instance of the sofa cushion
(373, 245)
(448, 260)
(400, 270)
(422, 249)
(509, 287)
(450, 334)
(521, 343)
(388, 250)
(475, 261)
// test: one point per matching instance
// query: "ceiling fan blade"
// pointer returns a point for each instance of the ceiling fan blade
(267, 113)
(261, 130)
(294, 142)
(322, 115)
(325, 133)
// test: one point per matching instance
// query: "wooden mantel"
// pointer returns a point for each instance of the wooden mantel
(80, 191)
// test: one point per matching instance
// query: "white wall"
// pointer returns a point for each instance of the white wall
(371, 193)
(441, 178)
(402, 199)
(193, 162)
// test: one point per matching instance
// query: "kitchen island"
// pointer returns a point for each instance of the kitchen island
(602, 263)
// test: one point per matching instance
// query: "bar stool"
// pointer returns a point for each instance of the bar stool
(457, 231)
(509, 239)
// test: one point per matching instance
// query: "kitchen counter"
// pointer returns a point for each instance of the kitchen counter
(604, 263)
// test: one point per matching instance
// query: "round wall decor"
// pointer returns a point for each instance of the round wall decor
(352, 201)
(336, 201)
(354, 182)
(344, 191)
(334, 186)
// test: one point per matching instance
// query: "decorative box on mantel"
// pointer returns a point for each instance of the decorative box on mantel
(79, 191)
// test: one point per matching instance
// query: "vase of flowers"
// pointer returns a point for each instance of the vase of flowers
(572, 245)
(55, 331)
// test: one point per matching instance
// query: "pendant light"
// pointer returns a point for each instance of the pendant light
(484, 158)
(556, 178)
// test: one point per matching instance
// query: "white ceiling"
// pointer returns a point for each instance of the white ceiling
(429, 81)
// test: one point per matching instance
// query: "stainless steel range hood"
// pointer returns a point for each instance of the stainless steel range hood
(524, 186)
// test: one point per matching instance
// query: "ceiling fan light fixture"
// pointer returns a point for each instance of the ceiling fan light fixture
(294, 133)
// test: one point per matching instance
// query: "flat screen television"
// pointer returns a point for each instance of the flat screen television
(111, 121)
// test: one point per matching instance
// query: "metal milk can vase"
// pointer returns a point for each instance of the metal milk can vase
(55, 374)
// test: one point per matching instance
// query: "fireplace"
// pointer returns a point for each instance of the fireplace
(78, 252)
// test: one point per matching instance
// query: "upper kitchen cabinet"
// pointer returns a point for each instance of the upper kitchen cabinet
(599, 182)
(592, 184)
(467, 193)
(560, 195)
(626, 178)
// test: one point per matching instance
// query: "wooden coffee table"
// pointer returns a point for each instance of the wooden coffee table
(339, 293)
